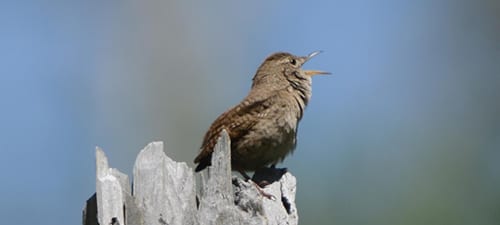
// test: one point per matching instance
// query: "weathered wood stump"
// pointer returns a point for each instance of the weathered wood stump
(165, 192)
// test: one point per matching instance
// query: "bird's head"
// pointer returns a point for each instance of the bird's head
(284, 69)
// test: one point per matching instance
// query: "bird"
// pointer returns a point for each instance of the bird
(263, 126)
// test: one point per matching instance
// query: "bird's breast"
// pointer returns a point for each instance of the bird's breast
(270, 140)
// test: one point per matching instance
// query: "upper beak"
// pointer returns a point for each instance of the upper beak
(312, 54)
(314, 72)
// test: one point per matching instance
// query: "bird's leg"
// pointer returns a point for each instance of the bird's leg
(261, 191)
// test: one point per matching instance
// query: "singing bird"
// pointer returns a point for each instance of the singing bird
(263, 126)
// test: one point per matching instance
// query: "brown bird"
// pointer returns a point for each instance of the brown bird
(263, 127)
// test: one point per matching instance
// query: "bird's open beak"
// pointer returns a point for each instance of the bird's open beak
(314, 72)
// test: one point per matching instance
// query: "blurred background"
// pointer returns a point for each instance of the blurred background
(405, 131)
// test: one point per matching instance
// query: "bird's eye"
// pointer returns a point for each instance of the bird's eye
(293, 62)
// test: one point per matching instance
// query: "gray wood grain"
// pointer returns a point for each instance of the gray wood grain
(165, 192)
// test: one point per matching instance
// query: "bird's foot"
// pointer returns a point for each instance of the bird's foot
(264, 177)
(262, 192)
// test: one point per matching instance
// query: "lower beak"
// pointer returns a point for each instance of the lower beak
(315, 72)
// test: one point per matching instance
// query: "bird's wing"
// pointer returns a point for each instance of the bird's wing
(237, 121)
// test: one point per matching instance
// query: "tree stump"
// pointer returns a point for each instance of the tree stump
(165, 192)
